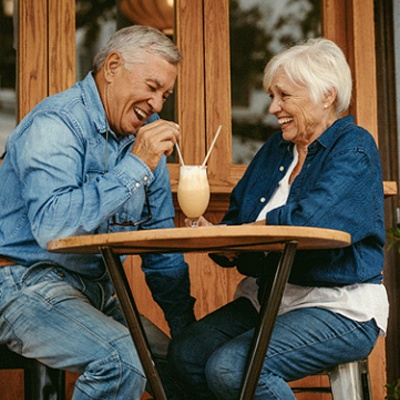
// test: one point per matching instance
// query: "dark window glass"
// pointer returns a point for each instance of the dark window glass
(258, 30)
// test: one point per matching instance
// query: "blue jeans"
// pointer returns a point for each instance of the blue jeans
(210, 355)
(71, 323)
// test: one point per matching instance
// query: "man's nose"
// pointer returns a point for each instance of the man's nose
(156, 103)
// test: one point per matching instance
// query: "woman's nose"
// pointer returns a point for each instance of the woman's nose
(275, 106)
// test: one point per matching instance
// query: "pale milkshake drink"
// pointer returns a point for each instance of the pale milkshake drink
(193, 190)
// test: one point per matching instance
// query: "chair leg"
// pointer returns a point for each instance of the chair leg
(43, 383)
(346, 382)
(365, 382)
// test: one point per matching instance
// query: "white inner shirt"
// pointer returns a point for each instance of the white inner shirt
(359, 302)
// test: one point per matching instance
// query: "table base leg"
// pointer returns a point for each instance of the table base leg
(132, 317)
(263, 331)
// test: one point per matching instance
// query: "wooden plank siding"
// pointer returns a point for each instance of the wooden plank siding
(46, 65)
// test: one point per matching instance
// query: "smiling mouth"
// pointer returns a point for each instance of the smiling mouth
(140, 113)
(283, 121)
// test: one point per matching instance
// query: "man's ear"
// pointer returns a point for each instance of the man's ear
(114, 62)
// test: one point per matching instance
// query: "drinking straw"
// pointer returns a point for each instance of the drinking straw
(212, 146)
(179, 153)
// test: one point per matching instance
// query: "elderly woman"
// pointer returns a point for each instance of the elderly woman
(319, 170)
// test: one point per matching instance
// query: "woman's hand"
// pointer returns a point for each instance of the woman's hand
(230, 256)
(201, 221)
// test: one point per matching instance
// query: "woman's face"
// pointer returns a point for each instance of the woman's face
(301, 120)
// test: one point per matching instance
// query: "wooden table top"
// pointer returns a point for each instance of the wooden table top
(205, 239)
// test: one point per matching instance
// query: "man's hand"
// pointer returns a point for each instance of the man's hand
(155, 139)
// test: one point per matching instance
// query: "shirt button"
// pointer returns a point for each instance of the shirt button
(262, 200)
(145, 178)
(281, 168)
(137, 184)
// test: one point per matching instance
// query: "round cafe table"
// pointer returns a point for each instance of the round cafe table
(217, 238)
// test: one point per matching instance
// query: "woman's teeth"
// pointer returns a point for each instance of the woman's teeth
(282, 121)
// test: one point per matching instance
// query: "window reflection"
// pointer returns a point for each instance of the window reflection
(8, 104)
(95, 23)
(258, 30)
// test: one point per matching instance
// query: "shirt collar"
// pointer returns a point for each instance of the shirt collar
(328, 138)
(92, 101)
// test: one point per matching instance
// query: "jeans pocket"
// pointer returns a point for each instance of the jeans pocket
(53, 283)
(7, 285)
(41, 272)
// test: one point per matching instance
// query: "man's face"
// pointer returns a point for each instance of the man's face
(137, 90)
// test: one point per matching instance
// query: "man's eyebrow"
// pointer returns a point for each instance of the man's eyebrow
(160, 84)
(157, 82)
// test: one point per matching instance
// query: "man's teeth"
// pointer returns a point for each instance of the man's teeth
(140, 112)
(282, 121)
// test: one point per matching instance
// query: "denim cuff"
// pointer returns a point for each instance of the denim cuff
(179, 323)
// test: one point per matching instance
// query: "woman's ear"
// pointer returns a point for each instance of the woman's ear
(114, 62)
(330, 97)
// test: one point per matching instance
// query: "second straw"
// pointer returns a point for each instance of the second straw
(212, 146)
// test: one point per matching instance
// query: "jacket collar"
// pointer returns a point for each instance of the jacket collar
(328, 138)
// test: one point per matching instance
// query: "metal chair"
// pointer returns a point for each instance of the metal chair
(348, 381)
(40, 382)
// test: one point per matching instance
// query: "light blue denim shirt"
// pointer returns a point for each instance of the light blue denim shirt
(65, 174)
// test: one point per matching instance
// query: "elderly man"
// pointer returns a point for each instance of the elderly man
(89, 161)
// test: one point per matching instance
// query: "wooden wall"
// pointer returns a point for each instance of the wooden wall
(46, 52)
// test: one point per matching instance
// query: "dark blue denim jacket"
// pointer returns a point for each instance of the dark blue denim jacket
(339, 187)
(64, 176)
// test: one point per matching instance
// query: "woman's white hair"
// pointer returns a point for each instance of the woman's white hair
(133, 41)
(319, 65)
